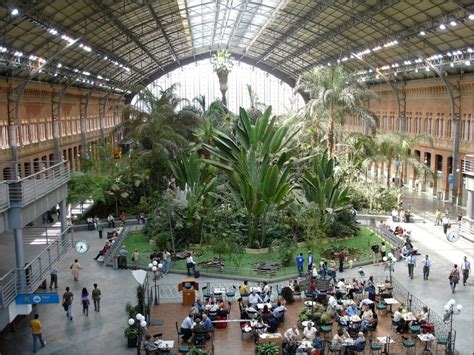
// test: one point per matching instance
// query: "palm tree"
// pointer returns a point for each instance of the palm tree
(334, 94)
(222, 63)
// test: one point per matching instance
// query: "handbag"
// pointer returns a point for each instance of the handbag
(65, 306)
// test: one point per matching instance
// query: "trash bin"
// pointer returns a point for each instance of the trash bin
(115, 263)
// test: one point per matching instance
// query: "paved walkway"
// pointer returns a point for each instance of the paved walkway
(103, 333)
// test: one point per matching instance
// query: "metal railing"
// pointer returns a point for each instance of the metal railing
(114, 248)
(4, 200)
(30, 277)
(468, 165)
(388, 235)
(32, 187)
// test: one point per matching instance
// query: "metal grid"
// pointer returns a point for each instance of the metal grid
(134, 41)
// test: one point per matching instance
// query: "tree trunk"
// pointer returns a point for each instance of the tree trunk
(223, 78)
(389, 166)
(330, 133)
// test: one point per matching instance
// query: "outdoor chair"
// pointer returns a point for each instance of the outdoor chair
(441, 341)
(382, 306)
(375, 347)
(230, 293)
(408, 343)
(414, 329)
(183, 349)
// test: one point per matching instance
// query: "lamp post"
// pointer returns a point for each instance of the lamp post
(156, 268)
(450, 309)
(141, 329)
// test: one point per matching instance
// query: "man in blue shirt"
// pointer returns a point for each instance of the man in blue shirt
(351, 310)
(299, 264)
(310, 261)
(207, 322)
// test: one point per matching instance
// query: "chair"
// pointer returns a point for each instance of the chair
(326, 330)
(183, 349)
(179, 332)
(414, 329)
(375, 347)
(298, 293)
(278, 290)
(199, 339)
(230, 293)
(360, 348)
(408, 343)
(334, 349)
(441, 341)
(206, 293)
(382, 306)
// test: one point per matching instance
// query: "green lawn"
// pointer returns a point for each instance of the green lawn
(362, 243)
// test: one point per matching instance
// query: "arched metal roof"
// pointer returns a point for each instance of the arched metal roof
(117, 44)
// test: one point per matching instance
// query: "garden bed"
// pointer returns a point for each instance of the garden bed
(358, 246)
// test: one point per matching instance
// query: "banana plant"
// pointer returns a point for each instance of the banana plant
(323, 190)
(258, 164)
(192, 176)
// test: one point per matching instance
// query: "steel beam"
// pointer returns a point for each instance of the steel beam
(56, 102)
(455, 92)
(83, 104)
(102, 108)
(163, 32)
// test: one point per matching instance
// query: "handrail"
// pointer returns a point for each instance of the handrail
(30, 277)
(26, 190)
(114, 248)
(4, 200)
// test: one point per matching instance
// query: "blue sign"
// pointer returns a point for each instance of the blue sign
(37, 298)
(450, 178)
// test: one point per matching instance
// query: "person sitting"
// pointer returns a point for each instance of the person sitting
(200, 330)
(149, 344)
(197, 308)
(244, 289)
(186, 328)
(271, 323)
(309, 332)
(279, 312)
(292, 333)
(318, 341)
(422, 316)
(206, 322)
(337, 340)
(352, 310)
(367, 318)
(345, 334)
(359, 343)
(255, 299)
(103, 251)
(251, 311)
(399, 321)
(259, 328)
(90, 223)
(354, 288)
(387, 289)
(265, 288)
(266, 314)
(296, 286)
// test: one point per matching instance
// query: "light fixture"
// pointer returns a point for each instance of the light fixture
(59, 65)
(452, 302)
(3, 49)
(53, 31)
(459, 307)
(469, 50)
(453, 23)
(18, 54)
(442, 26)
(451, 65)
(446, 307)
(14, 12)
(427, 69)
(422, 33)
(143, 324)
(131, 321)
(471, 17)
(467, 62)
(32, 57)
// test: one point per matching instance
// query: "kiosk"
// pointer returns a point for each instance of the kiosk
(188, 286)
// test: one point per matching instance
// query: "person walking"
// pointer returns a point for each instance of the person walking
(68, 297)
(36, 331)
(85, 301)
(100, 228)
(383, 250)
(299, 264)
(375, 251)
(96, 294)
(54, 278)
(437, 217)
(342, 257)
(426, 267)
(446, 223)
(454, 278)
(466, 269)
(411, 261)
(75, 267)
(166, 262)
(310, 261)
(135, 258)
(111, 220)
(190, 264)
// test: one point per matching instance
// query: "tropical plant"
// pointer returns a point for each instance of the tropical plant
(254, 111)
(395, 148)
(222, 63)
(257, 163)
(267, 349)
(82, 187)
(325, 195)
(334, 94)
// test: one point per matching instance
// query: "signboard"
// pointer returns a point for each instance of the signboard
(37, 298)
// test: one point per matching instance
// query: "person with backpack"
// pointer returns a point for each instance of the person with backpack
(454, 278)
(375, 251)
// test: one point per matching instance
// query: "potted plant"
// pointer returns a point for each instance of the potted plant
(132, 332)
(222, 63)
(267, 349)
(326, 319)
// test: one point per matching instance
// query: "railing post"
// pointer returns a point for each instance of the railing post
(40, 267)
(49, 257)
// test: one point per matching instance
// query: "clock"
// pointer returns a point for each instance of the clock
(81, 246)
(453, 236)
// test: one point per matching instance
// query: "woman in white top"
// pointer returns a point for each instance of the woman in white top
(292, 333)
(190, 264)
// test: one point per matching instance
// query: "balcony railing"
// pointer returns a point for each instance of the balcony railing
(4, 201)
(468, 165)
(29, 278)
(32, 187)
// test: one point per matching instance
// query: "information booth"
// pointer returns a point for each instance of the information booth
(188, 287)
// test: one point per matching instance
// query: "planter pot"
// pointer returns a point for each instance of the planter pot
(132, 342)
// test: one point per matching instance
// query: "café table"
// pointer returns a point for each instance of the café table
(390, 302)
(257, 289)
(218, 291)
(426, 338)
(165, 344)
(310, 304)
(408, 317)
(386, 341)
